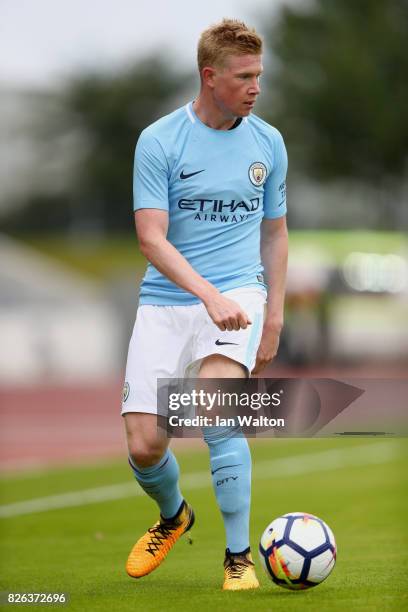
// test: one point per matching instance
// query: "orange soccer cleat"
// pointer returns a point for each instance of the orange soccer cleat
(239, 572)
(152, 548)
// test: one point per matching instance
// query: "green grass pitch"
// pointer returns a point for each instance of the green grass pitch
(82, 550)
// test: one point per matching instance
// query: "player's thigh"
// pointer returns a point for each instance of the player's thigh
(212, 369)
(220, 366)
(147, 442)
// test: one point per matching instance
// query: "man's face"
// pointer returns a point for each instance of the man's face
(235, 86)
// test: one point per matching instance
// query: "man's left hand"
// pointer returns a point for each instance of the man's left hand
(268, 347)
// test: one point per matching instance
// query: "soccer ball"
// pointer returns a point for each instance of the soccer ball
(297, 550)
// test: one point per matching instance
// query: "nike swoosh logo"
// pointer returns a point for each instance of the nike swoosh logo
(225, 467)
(219, 343)
(184, 176)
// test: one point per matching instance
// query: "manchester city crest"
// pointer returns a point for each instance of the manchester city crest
(126, 389)
(257, 173)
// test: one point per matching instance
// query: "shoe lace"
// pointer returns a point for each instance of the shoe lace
(235, 566)
(159, 534)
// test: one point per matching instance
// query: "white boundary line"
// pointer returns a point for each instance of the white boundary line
(327, 460)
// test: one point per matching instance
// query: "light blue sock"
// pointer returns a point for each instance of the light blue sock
(161, 483)
(231, 475)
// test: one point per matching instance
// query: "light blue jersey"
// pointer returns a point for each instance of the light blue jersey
(217, 186)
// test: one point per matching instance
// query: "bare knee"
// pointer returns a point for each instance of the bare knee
(145, 454)
(146, 443)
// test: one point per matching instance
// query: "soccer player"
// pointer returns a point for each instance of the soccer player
(210, 205)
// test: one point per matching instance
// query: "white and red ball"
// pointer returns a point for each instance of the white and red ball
(297, 550)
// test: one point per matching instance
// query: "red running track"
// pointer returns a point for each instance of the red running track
(41, 426)
(53, 426)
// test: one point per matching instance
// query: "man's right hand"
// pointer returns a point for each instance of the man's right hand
(226, 314)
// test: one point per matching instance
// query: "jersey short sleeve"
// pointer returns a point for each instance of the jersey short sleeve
(150, 175)
(275, 184)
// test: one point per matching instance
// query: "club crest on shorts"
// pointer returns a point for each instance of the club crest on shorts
(126, 389)
(257, 173)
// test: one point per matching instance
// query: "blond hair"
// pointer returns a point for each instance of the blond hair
(229, 37)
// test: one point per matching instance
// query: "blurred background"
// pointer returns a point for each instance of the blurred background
(79, 81)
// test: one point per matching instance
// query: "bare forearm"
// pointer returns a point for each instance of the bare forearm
(151, 227)
(171, 263)
(274, 254)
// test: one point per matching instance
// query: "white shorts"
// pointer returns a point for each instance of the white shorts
(171, 341)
